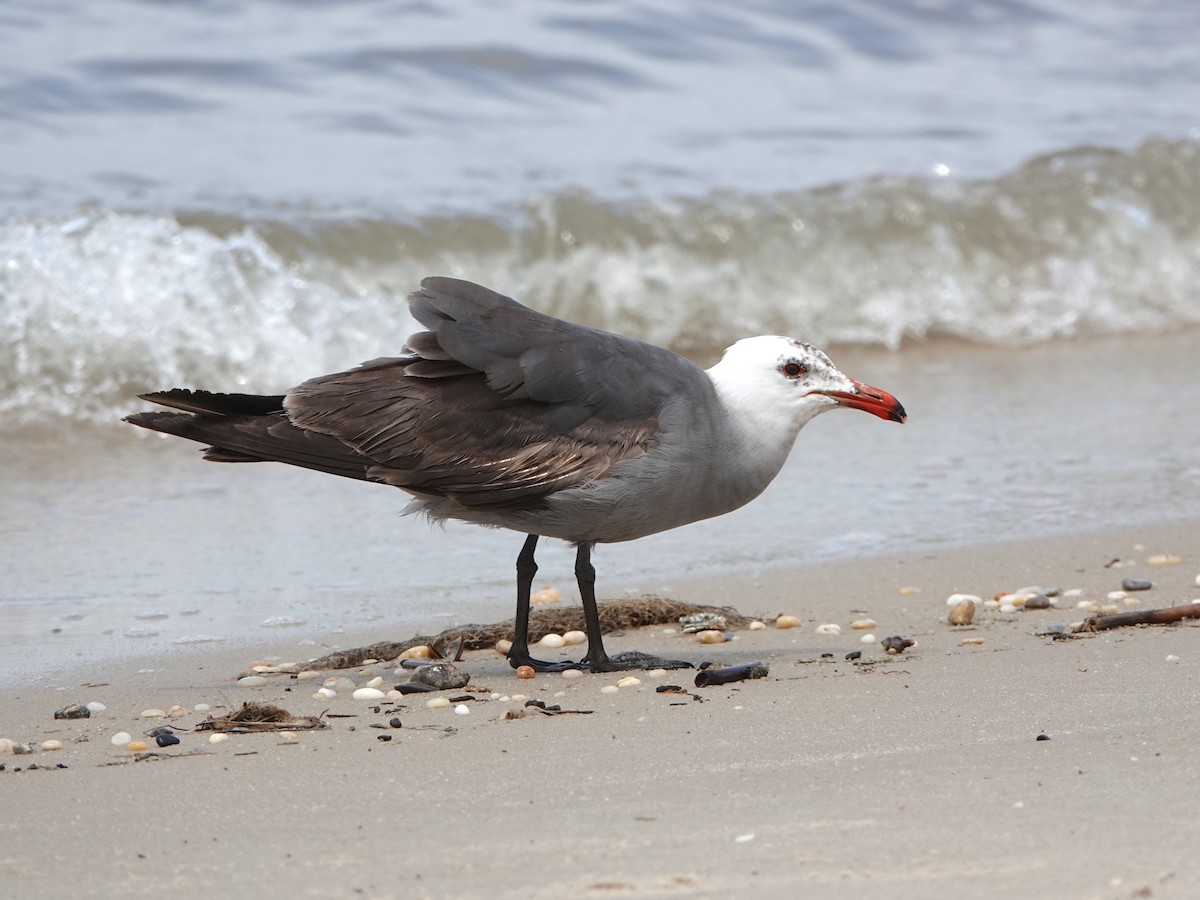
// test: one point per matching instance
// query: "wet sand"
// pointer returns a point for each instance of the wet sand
(918, 775)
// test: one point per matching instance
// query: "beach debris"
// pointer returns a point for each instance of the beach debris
(254, 717)
(971, 641)
(787, 621)
(963, 613)
(712, 676)
(615, 615)
(863, 624)
(699, 622)
(1163, 559)
(897, 644)
(853, 655)
(711, 636)
(1166, 615)
(74, 711)
(1136, 584)
(909, 591)
(441, 676)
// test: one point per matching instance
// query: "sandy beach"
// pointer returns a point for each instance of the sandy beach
(920, 773)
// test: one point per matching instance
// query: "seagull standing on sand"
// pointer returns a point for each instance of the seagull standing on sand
(503, 416)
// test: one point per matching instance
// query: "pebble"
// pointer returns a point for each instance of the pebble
(6, 745)
(553, 641)
(437, 703)
(51, 745)
(1198, 581)
(575, 637)
(515, 698)
(1072, 593)
(525, 672)
(609, 689)
(219, 738)
(393, 694)
(375, 682)
(441, 676)
(1086, 605)
(1038, 601)
(867, 639)
(367, 693)
(759, 626)
(21, 749)
(1110, 609)
(972, 641)
(1042, 737)
(1171, 657)
(1137, 584)
(395, 722)
(121, 738)
(421, 651)
(787, 622)
(1007, 608)
(96, 706)
(909, 591)
(897, 644)
(955, 599)
(74, 711)
(462, 710)
(1131, 601)
(326, 693)
(963, 613)
(153, 714)
(166, 740)
(829, 628)
(308, 675)
(710, 637)
(137, 746)
(1116, 595)
(252, 681)
(629, 681)
(1164, 559)
(287, 735)
(572, 673)
(656, 673)
(863, 624)
(503, 646)
(176, 711)
(853, 655)
(991, 603)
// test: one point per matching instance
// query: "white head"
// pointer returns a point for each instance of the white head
(768, 378)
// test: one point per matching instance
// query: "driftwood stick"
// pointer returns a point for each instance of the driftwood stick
(1165, 616)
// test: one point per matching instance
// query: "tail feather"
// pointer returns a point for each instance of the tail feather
(208, 403)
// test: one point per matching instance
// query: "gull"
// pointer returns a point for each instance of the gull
(503, 416)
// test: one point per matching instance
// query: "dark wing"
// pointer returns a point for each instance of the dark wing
(499, 405)
(496, 406)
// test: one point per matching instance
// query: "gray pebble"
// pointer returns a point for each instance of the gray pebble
(441, 676)
(74, 711)
(1136, 584)
(1038, 601)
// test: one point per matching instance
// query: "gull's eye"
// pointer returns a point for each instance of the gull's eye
(793, 369)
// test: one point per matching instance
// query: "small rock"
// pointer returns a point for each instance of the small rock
(572, 673)
(829, 628)
(787, 622)
(153, 714)
(1042, 737)
(1164, 559)
(1171, 657)
(552, 641)
(609, 689)
(137, 746)
(96, 706)
(1137, 584)
(308, 675)
(963, 613)
(6, 745)
(971, 641)
(955, 599)
(121, 738)
(756, 625)
(629, 681)
(574, 637)
(711, 637)
(375, 682)
(863, 624)
(656, 673)
(909, 591)
(166, 740)
(421, 651)
(897, 644)
(441, 676)
(503, 646)
(21, 749)
(219, 738)
(249, 681)
(853, 655)
(462, 710)
(52, 745)
(1038, 601)
(367, 693)
(525, 672)
(545, 596)
(437, 703)
(74, 711)
(867, 639)
(287, 735)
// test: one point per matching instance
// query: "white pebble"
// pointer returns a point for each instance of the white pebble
(153, 714)
(1198, 581)
(1171, 657)
(308, 675)
(96, 706)
(503, 646)
(1073, 593)
(1116, 595)
(553, 641)
(327, 692)
(955, 599)
(545, 596)
(6, 745)
(572, 673)
(516, 698)
(609, 689)
(991, 603)
(219, 738)
(759, 626)
(1007, 608)
(393, 694)
(560, 693)
(462, 710)
(367, 693)
(868, 639)
(657, 673)
(1131, 601)
(1163, 559)
(629, 681)
(121, 738)
(252, 681)
(1086, 605)
(375, 682)
(51, 745)
(1110, 609)
(201, 707)
(437, 703)
(575, 637)
(787, 622)
(829, 628)
(863, 624)
(287, 735)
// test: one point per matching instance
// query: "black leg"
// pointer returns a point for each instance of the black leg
(597, 659)
(518, 654)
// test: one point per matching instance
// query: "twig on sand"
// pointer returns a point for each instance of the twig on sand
(1165, 616)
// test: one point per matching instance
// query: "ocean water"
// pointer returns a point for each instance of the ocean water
(990, 208)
